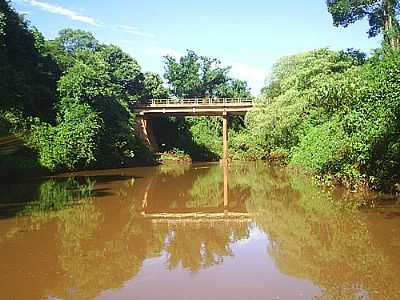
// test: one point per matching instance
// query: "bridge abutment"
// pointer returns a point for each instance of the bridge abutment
(145, 132)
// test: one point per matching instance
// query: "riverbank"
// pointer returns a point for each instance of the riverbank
(23, 164)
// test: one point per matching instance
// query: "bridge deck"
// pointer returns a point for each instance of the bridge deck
(194, 106)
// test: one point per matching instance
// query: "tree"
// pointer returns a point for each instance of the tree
(67, 44)
(124, 71)
(193, 75)
(104, 80)
(200, 76)
(72, 143)
(234, 88)
(27, 77)
(153, 87)
(72, 40)
(98, 84)
(291, 105)
(381, 15)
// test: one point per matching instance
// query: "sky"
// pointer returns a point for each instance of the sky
(250, 36)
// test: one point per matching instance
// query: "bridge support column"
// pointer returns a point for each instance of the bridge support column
(225, 159)
(226, 188)
(225, 137)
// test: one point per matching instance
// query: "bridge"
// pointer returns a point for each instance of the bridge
(153, 108)
(194, 107)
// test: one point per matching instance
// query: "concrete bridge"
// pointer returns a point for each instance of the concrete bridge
(154, 108)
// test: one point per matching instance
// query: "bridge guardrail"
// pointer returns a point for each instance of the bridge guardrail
(194, 101)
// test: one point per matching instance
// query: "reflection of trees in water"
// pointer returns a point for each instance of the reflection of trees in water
(197, 246)
(96, 260)
(207, 190)
(57, 195)
(311, 236)
(94, 266)
(174, 169)
(315, 238)
(94, 255)
(88, 262)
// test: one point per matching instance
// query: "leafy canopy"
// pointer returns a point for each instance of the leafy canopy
(200, 76)
(382, 16)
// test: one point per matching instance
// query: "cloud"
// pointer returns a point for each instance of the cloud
(255, 76)
(255, 235)
(25, 12)
(161, 52)
(62, 11)
(136, 31)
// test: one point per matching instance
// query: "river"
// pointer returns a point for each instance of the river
(195, 232)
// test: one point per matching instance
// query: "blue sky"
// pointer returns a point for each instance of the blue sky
(248, 35)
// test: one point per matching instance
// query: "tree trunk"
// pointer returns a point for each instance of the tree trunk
(390, 24)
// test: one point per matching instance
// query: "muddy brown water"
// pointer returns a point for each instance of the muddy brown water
(174, 232)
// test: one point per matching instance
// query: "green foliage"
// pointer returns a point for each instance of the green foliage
(124, 71)
(285, 110)
(73, 40)
(2, 28)
(176, 133)
(331, 115)
(244, 145)
(153, 87)
(200, 76)
(381, 16)
(70, 97)
(72, 143)
(323, 148)
(27, 78)
(175, 155)
(194, 76)
(302, 71)
(207, 132)
(367, 102)
(108, 81)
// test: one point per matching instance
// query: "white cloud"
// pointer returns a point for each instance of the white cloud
(59, 10)
(161, 52)
(136, 31)
(25, 12)
(255, 76)
(255, 235)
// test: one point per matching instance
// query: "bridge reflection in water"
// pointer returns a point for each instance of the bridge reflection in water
(197, 214)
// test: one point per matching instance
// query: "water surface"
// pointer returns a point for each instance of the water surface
(189, 232)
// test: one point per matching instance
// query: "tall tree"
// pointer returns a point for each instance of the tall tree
(68, 43)
(124, 71)
(27, 77)
(382, 16)
(153, 87)
(200, 76)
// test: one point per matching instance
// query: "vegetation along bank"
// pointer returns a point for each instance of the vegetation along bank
(66, 104)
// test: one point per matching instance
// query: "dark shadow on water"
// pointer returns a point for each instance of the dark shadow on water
(392, 215)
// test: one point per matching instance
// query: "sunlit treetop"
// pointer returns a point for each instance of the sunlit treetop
(382, 16)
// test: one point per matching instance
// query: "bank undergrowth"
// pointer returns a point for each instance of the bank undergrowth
(335, 114)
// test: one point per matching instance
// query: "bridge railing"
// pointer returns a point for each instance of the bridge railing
(195, 102)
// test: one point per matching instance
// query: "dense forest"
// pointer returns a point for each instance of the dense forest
(69, 100)
(66, 104)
